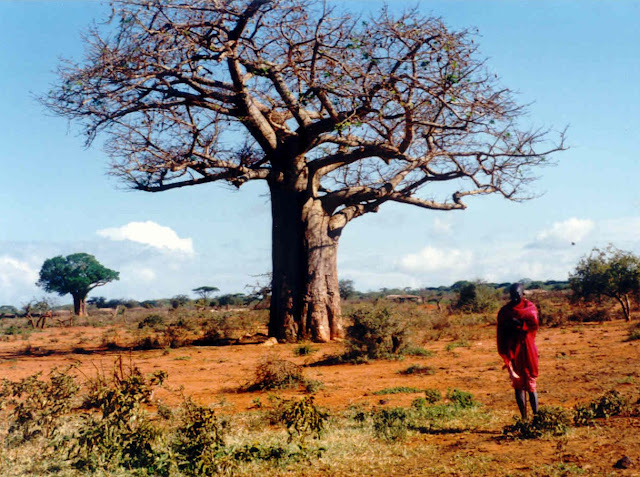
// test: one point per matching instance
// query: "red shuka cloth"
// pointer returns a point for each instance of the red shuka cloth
(517, 326)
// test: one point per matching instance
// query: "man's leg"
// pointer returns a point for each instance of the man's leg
(522, 403)
(533, 399)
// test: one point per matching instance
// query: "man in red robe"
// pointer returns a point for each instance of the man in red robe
(517, 326)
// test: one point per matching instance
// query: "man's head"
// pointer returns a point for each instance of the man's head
(516, 292)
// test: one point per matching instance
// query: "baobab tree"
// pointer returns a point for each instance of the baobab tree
(338, 114)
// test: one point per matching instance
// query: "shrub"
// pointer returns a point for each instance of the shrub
(550, 420)
(152, 321)
(477, 298)
(38, 405)
(198, 441)
(274, 373)
(592, 314)
(302, 418)
(179, 300)
(432, 395)
(609, 404)
(122, 435)
(391, 424)
(375, 333)
(304, 350)
(461, 399)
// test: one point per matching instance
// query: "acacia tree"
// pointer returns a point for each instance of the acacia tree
(76, 274)
(205, 292)
(609, 273)
(337, 114)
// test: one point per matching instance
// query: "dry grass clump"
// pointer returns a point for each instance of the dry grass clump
(275, 373)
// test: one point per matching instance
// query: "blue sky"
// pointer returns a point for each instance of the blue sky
(576, 62)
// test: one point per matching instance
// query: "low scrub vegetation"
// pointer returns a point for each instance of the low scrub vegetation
(109, 423)
(609, 404)
(549, 421)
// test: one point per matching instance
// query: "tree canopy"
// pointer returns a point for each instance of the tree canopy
(204, 292)
(609, 273)
(339, 114)
(76, 274)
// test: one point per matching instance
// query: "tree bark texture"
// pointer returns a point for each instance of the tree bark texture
(79, 305)
(305, 301)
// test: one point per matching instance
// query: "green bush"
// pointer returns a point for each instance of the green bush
(550, 420)
(461, 399)
(302, 418)
(432, 395)
(375, 333)
(304, 350)
(198, 441)
(477, 298)
(609, 404)
(391, 424)
(38, 405)
(152, 321)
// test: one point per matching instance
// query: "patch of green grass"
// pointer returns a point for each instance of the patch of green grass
(457, 344)
(398, 390)
(418, 351)
(460, 398)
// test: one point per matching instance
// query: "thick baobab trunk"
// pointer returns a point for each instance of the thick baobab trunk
(79, 304)
(305, 301)
(321, 315)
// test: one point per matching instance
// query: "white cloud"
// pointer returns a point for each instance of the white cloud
(431, 259)
(16, 278)
(143, 274)
(441, 226)
(564, 234)
(150, 233)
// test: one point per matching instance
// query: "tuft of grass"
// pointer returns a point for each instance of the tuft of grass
(417, 369)
(398, 390)
(304, 350)
(457, 344)
(418, 351)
